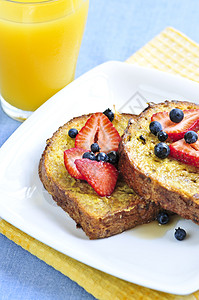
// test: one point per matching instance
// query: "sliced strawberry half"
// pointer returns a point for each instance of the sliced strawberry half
(186, 153)
(195, 145)
(176, 131)
(101, 176)
(98, 129)
(70, 156)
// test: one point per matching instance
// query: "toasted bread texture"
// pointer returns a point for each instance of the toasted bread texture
(172, 184)
(98, 216)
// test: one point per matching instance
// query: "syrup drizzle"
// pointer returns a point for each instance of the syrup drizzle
(154, 230)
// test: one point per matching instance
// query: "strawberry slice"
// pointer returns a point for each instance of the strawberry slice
(186, 153)
(176, 131)
(70, 156)
(195, 145)
(98, 129)
(101, 176)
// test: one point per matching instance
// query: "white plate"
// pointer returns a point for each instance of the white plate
(161, 263)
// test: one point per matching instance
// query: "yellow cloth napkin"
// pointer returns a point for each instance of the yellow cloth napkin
(172, 52)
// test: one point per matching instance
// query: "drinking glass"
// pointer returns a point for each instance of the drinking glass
(39, 47)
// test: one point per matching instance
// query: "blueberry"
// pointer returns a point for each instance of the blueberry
(190, 137)
(161, 150)
(89, 155)
(95, 147)
(108, 112)
(113, 157)
(72, 132)
(143, 139)
(102, 157)
(176, 115)
(155, 127)
(163, 218)
(162, 136)
(180, 234)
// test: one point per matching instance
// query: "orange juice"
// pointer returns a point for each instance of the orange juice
(39, 46)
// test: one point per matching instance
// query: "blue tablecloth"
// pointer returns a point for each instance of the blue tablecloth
(115, 30)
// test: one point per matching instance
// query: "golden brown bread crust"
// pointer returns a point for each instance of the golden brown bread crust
(171, 183)
(98, 216)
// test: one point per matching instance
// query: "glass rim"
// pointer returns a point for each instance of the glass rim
(31, 2)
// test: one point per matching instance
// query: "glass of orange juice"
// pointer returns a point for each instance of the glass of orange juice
(39, 46)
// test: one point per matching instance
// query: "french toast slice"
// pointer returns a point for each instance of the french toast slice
(98, 216)
(169, 182)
